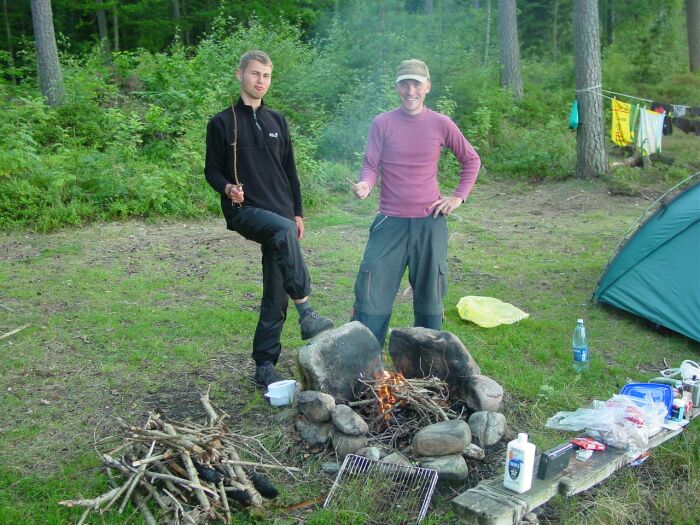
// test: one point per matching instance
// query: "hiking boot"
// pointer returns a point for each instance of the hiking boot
(266, 374)
(313, 324)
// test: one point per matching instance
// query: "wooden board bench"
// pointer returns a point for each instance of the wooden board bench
(489, 503)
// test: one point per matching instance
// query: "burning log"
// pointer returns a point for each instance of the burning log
(396, 407)
(189, 470)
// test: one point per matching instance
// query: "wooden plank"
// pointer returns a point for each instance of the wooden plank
(489, 503)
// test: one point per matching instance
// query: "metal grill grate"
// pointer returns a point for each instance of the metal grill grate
(382, 492)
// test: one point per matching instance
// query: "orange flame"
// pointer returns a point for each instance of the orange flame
(385, 397)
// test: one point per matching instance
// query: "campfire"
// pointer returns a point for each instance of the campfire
(396, 407)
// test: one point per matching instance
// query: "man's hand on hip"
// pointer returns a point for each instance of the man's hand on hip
(300, 227)
(445, 205)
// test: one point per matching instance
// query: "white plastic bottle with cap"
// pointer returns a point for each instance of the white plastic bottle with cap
(520, 461)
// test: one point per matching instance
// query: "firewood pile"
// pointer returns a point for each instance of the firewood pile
(395, 407)
(183, 472)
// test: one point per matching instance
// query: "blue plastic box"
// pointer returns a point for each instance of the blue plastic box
(659, 393)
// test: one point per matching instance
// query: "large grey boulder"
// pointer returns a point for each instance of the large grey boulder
(422, 352)
(487, 427)
(449, 468)
(348, 421)
(335, 360)
(442, 439)
(316, 406)
(483, 393)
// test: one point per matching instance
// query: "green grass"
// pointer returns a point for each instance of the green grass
(133, 316)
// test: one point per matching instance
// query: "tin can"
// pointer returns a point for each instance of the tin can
(693, 386)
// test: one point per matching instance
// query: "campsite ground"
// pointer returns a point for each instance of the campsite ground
(137, 316)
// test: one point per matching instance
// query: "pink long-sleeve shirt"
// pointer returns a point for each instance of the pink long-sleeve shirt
(404, 151)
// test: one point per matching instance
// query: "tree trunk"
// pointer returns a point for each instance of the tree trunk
(487, 43)
(509, 47)
(591, 159)
(115, 27)
(10, 49)
(692, 14)
(609, 21)
(475, 4)
(48, 66)
(555, 30)
(186, 32)
(428, 7)
(102, 30)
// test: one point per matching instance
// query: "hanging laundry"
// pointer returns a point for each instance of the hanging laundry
(634, 115)
(664, 109)
(687, 125)
(573, 116)
(650, 131)
(679, 110)
(620, 132)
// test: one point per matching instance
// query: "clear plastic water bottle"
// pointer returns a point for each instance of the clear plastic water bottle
(580, 348)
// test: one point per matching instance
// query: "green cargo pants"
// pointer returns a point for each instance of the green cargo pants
(396, 243)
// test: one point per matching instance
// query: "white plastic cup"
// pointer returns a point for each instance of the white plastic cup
(281, 393)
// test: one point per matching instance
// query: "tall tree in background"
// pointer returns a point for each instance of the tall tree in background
(509, 47)
(591, 159)
(487, 39)
(48, 66)
(10, 48)
(692, 13)
(102, 29)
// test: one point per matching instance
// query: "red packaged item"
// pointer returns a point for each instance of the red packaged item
(588, 443)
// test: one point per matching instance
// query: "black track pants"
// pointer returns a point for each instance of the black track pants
(284, 274)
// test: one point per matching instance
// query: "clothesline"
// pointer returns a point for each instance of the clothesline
(598, 90)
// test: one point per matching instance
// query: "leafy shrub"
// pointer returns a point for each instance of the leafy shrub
(536, 154)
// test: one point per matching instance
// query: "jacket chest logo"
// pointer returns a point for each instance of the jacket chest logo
(274, 135)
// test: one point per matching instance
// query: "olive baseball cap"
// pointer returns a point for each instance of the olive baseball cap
(412, 69)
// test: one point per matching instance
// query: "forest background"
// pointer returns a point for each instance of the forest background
(141, 79)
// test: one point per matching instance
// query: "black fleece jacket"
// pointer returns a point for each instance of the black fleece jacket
(265, 159)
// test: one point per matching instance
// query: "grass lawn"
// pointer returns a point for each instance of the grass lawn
(135, 316)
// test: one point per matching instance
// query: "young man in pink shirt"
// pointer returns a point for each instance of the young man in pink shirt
(403, 150)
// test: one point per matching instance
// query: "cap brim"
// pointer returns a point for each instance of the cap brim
(419, 78)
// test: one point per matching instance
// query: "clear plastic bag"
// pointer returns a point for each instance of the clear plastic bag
(623, 421)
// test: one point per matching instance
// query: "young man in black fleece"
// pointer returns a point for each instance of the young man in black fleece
(261, 200)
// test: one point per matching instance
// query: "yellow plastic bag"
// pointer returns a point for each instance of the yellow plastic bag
(488, 312)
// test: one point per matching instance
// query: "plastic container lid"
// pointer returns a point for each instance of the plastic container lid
(659, 393)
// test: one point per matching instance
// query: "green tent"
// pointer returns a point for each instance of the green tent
(655, 274)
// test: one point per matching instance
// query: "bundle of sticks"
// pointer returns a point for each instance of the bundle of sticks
(419, 401)
(187, 473)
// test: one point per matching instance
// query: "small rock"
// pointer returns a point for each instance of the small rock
(316, 406)
(484, 394)
(344, 444)
(474, 452)
(370, 453)
(397, 457)
(348, 421)
(449, 468)
(330, 468)
(531, 517)
(487, 427)
(442, 439)
(313, 433)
